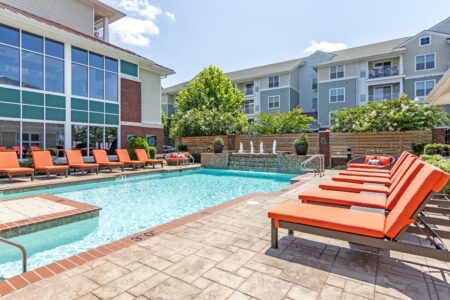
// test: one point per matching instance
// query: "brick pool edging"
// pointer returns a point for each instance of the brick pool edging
(22, 280)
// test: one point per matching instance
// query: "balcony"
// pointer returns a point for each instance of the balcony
(99, 33)
(383, 72)
(383, 96)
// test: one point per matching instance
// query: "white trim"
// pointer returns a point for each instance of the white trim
(329, 95)
(279, 102)
(422, 37)
(425, 63)
(424, 86)
(137, 124)
(129, 77)
(340, 79)
(430, 32)
(277, 88)
(425, 75)
(337, 78)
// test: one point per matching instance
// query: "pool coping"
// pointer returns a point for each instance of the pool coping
(22, 280)
(80, 211)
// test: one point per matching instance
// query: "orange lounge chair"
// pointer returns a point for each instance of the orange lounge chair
(377, 172)
(369, 228)
(364, 200)
(397, 163)
(102, 159)
(17, 149)
(9, 166)
(142, 156)
(2, 149)
(361, 187)
(363, 162)
(124, 157)
(35, 148)
(75, 161)
(42, 161)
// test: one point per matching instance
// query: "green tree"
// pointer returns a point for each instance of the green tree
(401, 114)
(291, 122)
(209, 106)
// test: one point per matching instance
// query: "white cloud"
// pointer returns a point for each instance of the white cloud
(170, 15)
(134, 31)
(324, 46)
(141, 7)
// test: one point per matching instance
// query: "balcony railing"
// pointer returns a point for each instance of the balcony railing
(386, 96)
(99, 33)
(248, 91)
(383, 72)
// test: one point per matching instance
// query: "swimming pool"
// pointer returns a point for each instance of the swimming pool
(131, 205)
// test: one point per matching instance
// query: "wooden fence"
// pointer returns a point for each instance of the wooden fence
(391, 143)
(199, 144)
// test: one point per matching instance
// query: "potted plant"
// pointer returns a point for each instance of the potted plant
(218, 145)
(301, 145)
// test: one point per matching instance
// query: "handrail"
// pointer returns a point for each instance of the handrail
(22, 248)
(320, 170)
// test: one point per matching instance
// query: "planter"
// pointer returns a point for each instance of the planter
(218, 148)
(301, 149)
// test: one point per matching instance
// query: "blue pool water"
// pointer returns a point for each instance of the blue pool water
(129, 206)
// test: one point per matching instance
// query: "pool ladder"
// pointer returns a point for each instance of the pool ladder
(319, 168)
(22, 248)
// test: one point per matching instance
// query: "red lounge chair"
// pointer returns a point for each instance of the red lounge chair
(17, 149)
(35, 148)
(362, 162)
(361, 187)
(368, 228)
(124, 157)
(75, 161)
(397, 163)
(42, 161)
(2, 149)
(142, 156)
(9, 166)
(102, 159)
(175, 159)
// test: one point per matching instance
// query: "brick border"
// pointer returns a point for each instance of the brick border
(78, 209)
(22, 280)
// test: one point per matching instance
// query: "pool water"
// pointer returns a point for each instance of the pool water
(129, 206)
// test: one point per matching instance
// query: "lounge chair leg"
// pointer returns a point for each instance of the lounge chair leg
(10, 178)
(32, 176)
(67, 172)
(110, 169)
(122, 167)
(96, 170)
(48, 175)
(274, 235)
(291, 232)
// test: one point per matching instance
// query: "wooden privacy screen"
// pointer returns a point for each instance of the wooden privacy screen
(199, 144)
(285, 142)
(391, 143)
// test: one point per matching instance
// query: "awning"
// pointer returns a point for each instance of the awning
(440, 95)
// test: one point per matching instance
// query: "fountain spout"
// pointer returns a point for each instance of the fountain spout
(274, 147)
(261, 147)
(241, 148)
(251, 147)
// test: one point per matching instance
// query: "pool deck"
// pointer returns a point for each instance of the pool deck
(224, 253)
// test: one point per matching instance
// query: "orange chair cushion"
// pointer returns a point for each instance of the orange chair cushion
(369, 157)
(81, 166)
(100, 156)
(353, 187)
(16, 170)
(74, 157)
(141, 154)
(111, 163)
(385, 160)
(154, 160)
(8, 160)
(42, 159)
(364, 166)
(378, 171)
(335, 218)
(358, 173)
(186, 155)
(363, 179)
(175, 159)
(52, 168)
(134, 162)
(343, 198)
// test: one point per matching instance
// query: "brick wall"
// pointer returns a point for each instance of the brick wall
(438, 135)
(130, 106)
(142, 131)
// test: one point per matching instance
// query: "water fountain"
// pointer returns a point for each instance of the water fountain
(241, 148)
(274, 147)
(261, 147)
(251, 147)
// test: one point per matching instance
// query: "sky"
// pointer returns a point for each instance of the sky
(188, 35)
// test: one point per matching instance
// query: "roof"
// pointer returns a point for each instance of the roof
(76, 32)
(440, 94)
(276, 68)
(104, 10)
(366, 51)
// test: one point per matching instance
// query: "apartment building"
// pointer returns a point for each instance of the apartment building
(63, 85)
(324, 82)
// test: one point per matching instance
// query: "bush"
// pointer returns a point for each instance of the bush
(152, 152)
(197, 157)
(137, 143)
(53, 151)
(301, 140)
(441, 163)
(182, 147)
(418, 148)
(291, 122)
(218, 141)
(26, 163)
(432, 149)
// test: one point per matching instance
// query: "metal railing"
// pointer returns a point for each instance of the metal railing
(22, 248)
(316, 168)
(388, 96)
(383, 72)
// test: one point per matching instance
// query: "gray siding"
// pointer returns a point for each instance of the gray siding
(325, 107)
(446, 108)
(409, 84)
(284, 99)
(294, 99)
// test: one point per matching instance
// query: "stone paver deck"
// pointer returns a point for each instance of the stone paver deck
(226, 254)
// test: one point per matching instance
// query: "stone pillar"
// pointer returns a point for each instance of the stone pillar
(438, 135)
(231, 141)
(324, 145)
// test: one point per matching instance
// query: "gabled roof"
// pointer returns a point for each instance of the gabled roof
(248, 74)
(104, 10)
(366, 51)
(28, 15)
(442, 27)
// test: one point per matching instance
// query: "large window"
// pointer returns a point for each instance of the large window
(111, 139)
(32, 136)
(337, 72)
(32, 70)
(248, 89)
(99, 138)
(94, 75)
(425, 62)
(274, 102)
(9, 133)
(54, 66)
(423, 88)
(314, 103)
(274, 81)
(337, 95)
(79, 138)
(54, 137)
(249, 107)
(96, 138)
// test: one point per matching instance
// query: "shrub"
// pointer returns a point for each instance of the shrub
(301, 140)
(137, 143)
(182, 147)
(441, 163)
(197, 157)
(152, 152)
(418, 148)
(218, 141)
(53, 151)
(26, 163)
(432, 149)
(290, 122)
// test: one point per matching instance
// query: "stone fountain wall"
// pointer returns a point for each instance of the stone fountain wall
(265, 162)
